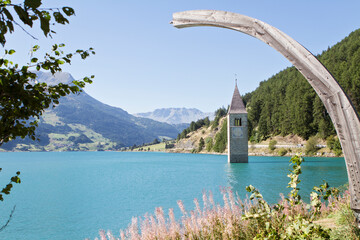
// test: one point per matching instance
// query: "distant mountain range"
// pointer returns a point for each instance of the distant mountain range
(176, 115)
(81, 122)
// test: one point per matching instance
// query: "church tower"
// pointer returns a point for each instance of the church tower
(237, 127)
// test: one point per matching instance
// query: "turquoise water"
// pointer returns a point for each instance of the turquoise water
(71, 195)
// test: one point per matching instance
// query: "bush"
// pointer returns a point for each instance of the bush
(209, 144)
(311, 146)
(221, 139)
(282, 151)
(272, 145)
(219, 113)
(201, 144)
(333, 143)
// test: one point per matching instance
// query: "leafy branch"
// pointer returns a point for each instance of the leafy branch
(28, 13)
(294, 197)
(7, 189)
(23, 99)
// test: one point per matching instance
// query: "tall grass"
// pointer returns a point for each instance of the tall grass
(252, 218)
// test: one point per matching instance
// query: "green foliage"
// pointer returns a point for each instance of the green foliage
(282, 151)
(219, 113)
(346, 224)
(311, 146)
(209, 144)
(284, 226)
(193, 127)
(287, 104)
(7, 189)
(201, 144)
(206, 122)
(322, 192)
(29, 13)
(333, 143)
(80, 139)
(254, 136)
(272, 144)
(294, 197)
(221, 139)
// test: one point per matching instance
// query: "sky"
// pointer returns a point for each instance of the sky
(143, 63)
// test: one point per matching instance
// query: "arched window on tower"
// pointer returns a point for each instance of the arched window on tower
(237, 122)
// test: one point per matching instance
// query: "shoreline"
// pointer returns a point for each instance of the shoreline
(262, 152)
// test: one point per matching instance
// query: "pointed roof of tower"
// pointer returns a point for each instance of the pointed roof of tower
(237, 104)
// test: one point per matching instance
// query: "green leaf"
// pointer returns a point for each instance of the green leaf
(35, 48)
(23, 15)
(59, 18)
(33, 3)
(10, 26)
(11, 51)
(45, 25)
(8, 14)
(68, 11)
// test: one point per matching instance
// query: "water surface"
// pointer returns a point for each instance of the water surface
(71, 195)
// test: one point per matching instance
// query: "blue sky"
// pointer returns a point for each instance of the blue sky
(143, 63)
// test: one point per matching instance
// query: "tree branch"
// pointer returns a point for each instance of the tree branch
(25, 30)
(8, 221)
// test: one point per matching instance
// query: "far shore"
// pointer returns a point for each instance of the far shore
(262, 152)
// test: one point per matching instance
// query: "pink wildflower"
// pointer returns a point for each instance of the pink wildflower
(110, 236)
(122, 235)
(134, 231)
(102, 235)
(211, 199)
(174, 227)
(159, 213)
(182, 207)
(204, 197)
(197, 206)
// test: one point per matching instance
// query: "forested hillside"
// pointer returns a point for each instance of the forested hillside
(286, 103)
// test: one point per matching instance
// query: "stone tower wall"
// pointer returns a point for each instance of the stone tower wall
(237, 138)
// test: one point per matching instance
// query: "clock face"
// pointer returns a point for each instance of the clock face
(237, 132)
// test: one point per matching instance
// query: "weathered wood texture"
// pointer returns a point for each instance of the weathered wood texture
(338, 105)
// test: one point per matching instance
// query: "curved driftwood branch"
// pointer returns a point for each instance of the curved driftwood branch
(338, 105)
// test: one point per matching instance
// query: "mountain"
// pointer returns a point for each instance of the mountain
(176, 115)
(287, 104)
(81, 122)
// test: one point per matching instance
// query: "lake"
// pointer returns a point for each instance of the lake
(71, 195)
